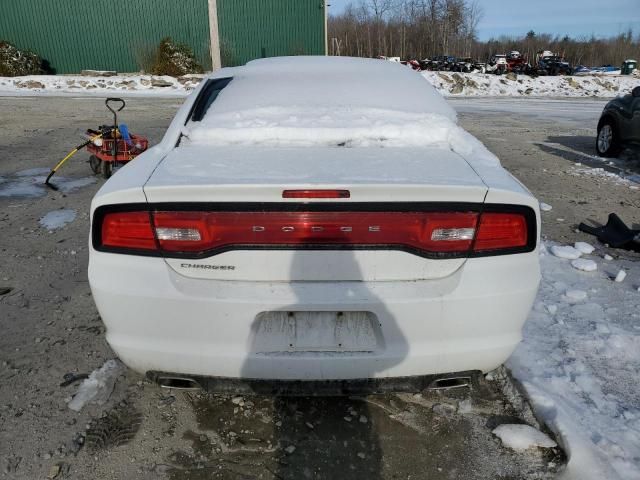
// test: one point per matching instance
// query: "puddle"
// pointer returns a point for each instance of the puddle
(57, 219)
(375, 437)
(30, 183)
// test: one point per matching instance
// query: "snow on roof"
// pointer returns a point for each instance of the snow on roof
(333, 102)
(330, 82)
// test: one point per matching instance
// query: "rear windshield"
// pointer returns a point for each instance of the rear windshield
(206, 98)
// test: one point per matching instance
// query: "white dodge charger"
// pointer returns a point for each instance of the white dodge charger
(314, 222)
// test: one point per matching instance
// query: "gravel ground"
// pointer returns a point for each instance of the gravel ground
(51, 328)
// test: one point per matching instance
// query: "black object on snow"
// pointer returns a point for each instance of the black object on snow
(615, 233)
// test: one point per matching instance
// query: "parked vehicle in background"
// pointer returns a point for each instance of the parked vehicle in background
(581, 70)
(370, 237)
(607, 70)
(390, 59)
(517, 63)
(414, 64)
(552, 64)
(444, 63)
(628, 66)
(480, 67)
(464, 65)
(497, 64)
(619, 125)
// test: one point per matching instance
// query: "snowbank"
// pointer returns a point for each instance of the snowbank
(97, 85)
(579, 365)
(447, 83)
(489, 85)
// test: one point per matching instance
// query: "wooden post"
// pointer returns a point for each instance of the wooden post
(216, 61)
(326, 28)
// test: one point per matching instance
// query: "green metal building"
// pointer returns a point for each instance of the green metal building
(121, 35)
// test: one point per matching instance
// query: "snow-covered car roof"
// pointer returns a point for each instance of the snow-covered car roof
(332, 101)
(329, 82)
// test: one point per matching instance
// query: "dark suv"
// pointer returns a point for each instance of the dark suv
(619, 124)
(554, 66)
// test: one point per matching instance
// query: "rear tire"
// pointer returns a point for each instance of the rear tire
(607, 143)
(95, 164)
(107, 168)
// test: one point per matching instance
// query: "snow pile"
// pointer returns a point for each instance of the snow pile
(522, 437)
(584, 247)
(97, 85)
(584, 264)
(490, 85)
(579, 366)
(98, 387)
(565, 251)
(57, 219)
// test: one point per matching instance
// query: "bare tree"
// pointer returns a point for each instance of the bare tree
(416, 29)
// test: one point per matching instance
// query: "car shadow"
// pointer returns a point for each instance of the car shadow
(340, 437)
(581, 149)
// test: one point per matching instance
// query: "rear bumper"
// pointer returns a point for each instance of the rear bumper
(158, 320)
(319, 388)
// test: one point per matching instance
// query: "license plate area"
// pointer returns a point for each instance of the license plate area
(278, 332)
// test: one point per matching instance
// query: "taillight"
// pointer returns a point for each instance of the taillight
(130, 230)
(220, 230)
(426, 233)
(500, 231)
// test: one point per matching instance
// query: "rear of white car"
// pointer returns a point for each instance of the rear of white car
(258, 245)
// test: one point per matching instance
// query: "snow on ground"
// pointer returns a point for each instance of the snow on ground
(481, 84)
(579, 363)
(619, 176)
(57, 219)
(89, 85)
(522, 437)
(98, 387)
(566, 251)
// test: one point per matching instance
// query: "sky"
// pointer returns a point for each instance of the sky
(575, 18)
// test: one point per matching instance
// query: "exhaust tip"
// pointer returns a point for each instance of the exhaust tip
(449, 383)
(178, 383)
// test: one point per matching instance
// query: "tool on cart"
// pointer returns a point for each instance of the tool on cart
(109, 145)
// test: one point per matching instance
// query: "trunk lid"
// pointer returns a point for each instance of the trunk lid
(237, 175)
